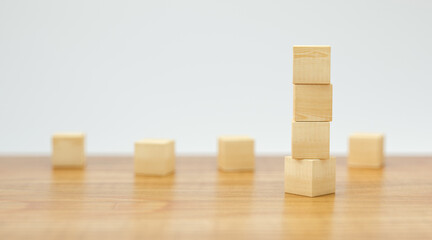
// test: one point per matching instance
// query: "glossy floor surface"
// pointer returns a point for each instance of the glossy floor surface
(107, 201)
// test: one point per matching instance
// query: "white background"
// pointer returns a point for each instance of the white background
(193, 70)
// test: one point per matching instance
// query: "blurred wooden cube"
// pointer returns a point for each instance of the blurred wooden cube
(313, 103)
(311, 65)
(310, 177)
(68, 150)
(310, 140)
(366, 150)
(236, 153)
(154, 157)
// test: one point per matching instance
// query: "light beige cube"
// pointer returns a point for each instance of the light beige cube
(311, 65)
(68, 150)
(236, 153)
(154, 157)
(310, 140)
(366, 150)
(313, 103)
(310, 177)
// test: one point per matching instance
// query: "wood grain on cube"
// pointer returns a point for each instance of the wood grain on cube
(68, 150)
(313, 103)
(311, 65)
(310, 140)
(155, 157)
(310, 177)
(366, 150)
(236, 153)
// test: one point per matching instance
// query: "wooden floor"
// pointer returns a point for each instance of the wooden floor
(106, 201)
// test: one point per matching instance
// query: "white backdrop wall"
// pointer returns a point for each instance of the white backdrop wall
(192, 70)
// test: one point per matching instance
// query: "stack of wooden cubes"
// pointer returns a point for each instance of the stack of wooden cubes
(310, 171)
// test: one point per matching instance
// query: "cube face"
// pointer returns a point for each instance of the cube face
(68, 150)
(366, 150)
(310, 140)
(310, 177)
(311, 65)
(154, 157)
(236, 154)
(313, 103)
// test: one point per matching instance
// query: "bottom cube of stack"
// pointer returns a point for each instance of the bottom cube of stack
(310, 177)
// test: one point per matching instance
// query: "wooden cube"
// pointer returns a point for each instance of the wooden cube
(68, 150)
(154, 157)
(311, 65)
(366, 150)
(310, 177)
(310, 140)
(236, 153)
(313, 103)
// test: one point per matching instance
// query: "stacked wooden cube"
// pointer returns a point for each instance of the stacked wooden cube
(310, 171)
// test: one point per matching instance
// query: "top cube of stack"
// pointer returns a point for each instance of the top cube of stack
(311, 65)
